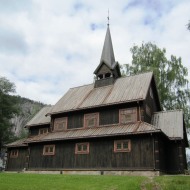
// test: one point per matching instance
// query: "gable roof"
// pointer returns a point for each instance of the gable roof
(103, 131)
(170, 122)
(40, 118)
(126, 89)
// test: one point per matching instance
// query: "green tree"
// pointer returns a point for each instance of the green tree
(170, 76)
(8, 107)
(188, 26)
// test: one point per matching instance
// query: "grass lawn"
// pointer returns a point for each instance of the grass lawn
(20, 181)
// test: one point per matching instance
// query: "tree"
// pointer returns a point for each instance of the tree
(188, 26)
(8, 107)
(170, 76)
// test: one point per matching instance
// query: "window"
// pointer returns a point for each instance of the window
(122, 146)
(128, 115)
(14, 153)
(49, 150)
(43, 131)
(82, 148)
(60, 124)
(91, 120)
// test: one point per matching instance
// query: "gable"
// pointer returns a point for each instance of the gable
(103, 69)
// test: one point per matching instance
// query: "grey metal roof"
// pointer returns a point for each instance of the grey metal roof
(107, 53)
(40, 118)
(126, 89)
(170, 122)
(18, 143)
(113, 130)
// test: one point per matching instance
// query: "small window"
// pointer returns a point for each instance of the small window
(60, 124)
(91, 120)
(14, 153)
(49, 150)
(122, 146)
(128, 115)
(43, 131)
(82, 148)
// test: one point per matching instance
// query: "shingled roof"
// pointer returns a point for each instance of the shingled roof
(170, 122)
(125, 89)
(103, 131)
(40, 118)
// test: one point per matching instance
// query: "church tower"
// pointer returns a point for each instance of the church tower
(108, 69)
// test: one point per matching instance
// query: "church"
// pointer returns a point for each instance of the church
(115, 125)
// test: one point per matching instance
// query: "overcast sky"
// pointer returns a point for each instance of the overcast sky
(49, 46)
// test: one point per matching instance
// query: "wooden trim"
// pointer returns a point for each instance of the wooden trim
(14, 153)
(43, 131)
(132, 108)
(122, 148)
(47, 150)
(96, 114)
(60, 120)
(77, 151)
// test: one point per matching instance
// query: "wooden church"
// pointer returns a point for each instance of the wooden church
(113, 126)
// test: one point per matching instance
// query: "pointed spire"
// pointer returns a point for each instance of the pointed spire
(107, 52)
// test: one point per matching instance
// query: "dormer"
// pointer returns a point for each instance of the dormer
(108, 70)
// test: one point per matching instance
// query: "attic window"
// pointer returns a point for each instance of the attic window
(107, 75)
(128, 115)
(122, 146)
(48, 150)
(151, 93)
(60, 124)
(14, 153)
(101, 76)
(82, 148)
(91, 120)
(43, 131)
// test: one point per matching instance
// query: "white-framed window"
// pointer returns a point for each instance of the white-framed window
(49, 150)
(43, 131)
(122, 146)
(82, 148)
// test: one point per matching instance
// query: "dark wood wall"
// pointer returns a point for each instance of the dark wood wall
(101, 155)
(18, 163)
(107, 115)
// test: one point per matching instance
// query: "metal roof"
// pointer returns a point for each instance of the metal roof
(170, 122)
(18, 143)
(113, 130)
(40, 118)
(125, 89)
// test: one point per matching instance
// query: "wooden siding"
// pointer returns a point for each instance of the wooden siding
(18, 163)
(101, 155)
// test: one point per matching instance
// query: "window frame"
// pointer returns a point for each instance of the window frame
(49, 153)
(59, 120)
(122, 146)
(14, 153)
(43, 131)
(87, 151)
(128, 109)
(91, 116)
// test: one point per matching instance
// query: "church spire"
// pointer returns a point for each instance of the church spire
(107, 52)
(108, 69)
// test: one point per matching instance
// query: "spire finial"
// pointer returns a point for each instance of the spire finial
(108, 18)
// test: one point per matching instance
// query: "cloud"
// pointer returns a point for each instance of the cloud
(49, 46)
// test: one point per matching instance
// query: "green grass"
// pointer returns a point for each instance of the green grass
(20, 181)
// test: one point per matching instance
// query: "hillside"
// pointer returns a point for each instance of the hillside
(28, 108)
